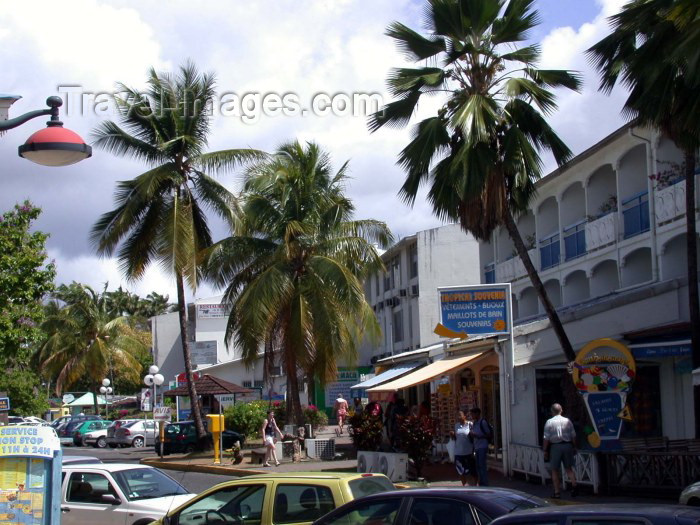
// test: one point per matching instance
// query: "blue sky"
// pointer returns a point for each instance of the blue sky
(300, 46)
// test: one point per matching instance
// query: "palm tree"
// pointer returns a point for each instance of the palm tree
(85, 339)
(160, 215)
(294, 266)
(481, 153)
(653, 50)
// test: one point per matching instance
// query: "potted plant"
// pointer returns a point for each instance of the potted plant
(416, 439)
(365, 431)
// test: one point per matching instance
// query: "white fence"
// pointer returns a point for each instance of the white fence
(529, 460)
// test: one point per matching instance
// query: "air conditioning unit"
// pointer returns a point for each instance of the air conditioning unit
(414, 290)
(403, 292)
(320, 448)
(284, 449)
(393, 465)
(367, 461)
(394, 301)
(276, 371)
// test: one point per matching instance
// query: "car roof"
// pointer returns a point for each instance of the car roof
(312, 475)
(108, 467)
(611, 509)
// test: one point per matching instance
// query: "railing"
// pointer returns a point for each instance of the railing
(490, 273)
(519, 267)
(669, 202)
(668, 471)
(505, 271)
(575, 241)
(549, 251)
(635, 214)
(601, 231)
(529, 460)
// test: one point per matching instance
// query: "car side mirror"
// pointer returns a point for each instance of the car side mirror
(110, 499)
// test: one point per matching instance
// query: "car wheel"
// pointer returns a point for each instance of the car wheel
(694, 502)
(138, 442)
(101, 443)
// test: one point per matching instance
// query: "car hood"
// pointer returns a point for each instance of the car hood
(162, 505)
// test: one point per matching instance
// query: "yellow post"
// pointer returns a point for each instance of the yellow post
(216, 426)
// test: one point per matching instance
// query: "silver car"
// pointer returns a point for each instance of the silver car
(137, 434)
(110, 438)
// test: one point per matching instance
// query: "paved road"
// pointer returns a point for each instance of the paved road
(195, 482)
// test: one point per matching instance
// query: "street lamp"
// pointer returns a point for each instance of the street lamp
(51, 146)
(105, 390)
(153, 379)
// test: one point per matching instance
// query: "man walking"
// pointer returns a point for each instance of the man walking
(483, 433)
(559, 448)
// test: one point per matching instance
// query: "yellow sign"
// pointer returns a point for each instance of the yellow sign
(443, 331)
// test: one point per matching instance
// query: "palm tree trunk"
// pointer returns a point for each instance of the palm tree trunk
(294, 414)
(194, 399)
(539, 287)
(694, 303)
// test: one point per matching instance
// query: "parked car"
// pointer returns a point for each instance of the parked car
(182, 437)
(444, 506)
(75, 460)
(110, 438)
(137, 434)
(59, 421)
(66, 429)
(117, 494)
(628, 514)
(691, 495)
(15, 420)
(86, 427)
(276, 498)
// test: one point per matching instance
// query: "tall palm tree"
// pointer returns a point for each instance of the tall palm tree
(480, 154)
(294, 266)
(653, 50)
(85, 339)
(160, 215)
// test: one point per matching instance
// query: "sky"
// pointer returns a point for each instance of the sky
(302, 47)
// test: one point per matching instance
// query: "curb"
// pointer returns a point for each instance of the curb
(205, 469)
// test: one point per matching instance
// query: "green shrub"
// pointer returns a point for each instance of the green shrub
(315, 417)
(365, 431)
(246, 418)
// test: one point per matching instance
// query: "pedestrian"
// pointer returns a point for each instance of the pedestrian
(388, 418)
(357, 405)
(341, 412)
(400, 411)
(464, 449)
(482, 433)
(269, 431)
(560, 449)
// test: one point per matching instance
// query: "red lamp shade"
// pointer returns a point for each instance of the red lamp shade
(55, 146)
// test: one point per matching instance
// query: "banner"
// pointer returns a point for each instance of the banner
(146, 404)
(476, 310)
(28, 441)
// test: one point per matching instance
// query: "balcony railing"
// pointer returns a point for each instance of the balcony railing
(575, 240)
(669, 202)
(549, 251)
(602, 231)
(635, 214)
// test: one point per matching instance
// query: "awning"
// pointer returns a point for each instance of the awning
(392, 373)
(428, 373)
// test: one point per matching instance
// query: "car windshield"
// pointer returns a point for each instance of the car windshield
(15, 419)
(147, 483)
(173, 429)
(370, 485)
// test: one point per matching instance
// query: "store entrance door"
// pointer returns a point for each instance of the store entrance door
(491, 406)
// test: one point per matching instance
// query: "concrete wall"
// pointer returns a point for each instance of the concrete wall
(167, 348)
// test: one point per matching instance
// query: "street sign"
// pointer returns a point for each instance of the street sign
(68, 398)
(4, 404)
(163, 413)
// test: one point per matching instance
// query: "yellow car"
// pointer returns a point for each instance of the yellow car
(279, 499)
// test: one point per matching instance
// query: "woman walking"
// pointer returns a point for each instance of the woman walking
(341, 412)
(269, 431)
(464, 448)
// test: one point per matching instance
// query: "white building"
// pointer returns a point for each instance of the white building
(609, 245)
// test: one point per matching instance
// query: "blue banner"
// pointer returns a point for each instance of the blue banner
(475, 310)
(672, 350)
(605, 408)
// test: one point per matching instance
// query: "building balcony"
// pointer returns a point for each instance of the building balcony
(505, 271)
(635, 214)
(601, 232)
(575, 241)
(669, 202)
(549, 251)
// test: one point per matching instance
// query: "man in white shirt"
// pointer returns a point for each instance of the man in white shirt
(559, 448)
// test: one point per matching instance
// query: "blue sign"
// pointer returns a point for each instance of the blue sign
(4, 404)
(475, 310)
(605, 408)
(184, 415)
(672, 350)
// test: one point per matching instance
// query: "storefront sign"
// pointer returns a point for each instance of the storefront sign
(4, 404)
(163, 413)
(182, 378)
(38, 442)
(673, 350)
(476, 310)
(204, 353)
(603, 373)
(211, 311)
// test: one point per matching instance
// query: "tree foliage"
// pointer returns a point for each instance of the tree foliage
(25, 279)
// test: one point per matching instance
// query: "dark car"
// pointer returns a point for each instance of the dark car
(66, 430)
(626, 514)
(436, 506)
(182, 437)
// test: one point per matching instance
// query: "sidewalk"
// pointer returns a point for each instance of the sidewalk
(436, 475)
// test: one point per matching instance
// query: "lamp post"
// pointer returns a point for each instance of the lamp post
(51, 146)
(153, 379)
(105, 389)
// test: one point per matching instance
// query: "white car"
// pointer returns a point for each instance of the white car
(691, 495)
(117, 494)
(96, 438)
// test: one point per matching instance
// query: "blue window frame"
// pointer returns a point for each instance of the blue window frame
(549, 251)
(635, 214)
(490, 273)
(575, 241)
